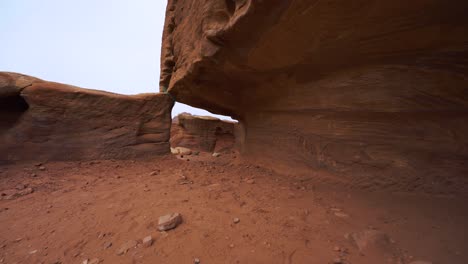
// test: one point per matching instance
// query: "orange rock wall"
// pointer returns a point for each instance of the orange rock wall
(372, 92)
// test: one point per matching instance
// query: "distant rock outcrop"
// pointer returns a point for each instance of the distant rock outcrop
(204, 133)
(43, 120)
(374, 92)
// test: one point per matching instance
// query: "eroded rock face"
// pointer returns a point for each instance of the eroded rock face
(375, 92)
(203, 133)
(50, 121)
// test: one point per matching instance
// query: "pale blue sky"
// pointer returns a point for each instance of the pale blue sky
(111, 45)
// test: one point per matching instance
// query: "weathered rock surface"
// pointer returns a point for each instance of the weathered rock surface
(203, 133)
(375, 92)
(43, 120)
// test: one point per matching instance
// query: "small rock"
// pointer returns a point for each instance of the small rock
(154, 173)
(107, 244)
(181, 151)
(42, 168)
(174, 151)
(38, 164)
(336, 248)
(250, 181)
(216, 154)
(420, 262)
(147, 241)
(94, 261)
(34, 175)
(33, 251)
(341, 215)
(126, 247)
(196, 261)
(231, 245)
(169, 221)
(18, 194)
(26, 191)
(236, 220)
(338, 261)
(20, 186)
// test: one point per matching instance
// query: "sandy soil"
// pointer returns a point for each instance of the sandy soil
(78, 208)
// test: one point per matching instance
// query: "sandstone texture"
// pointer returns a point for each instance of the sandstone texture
(43, 120)
(372, 92)
(202, 133)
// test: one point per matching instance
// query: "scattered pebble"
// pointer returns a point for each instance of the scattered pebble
(338, 261)
(341, 215)
(20, 186)
(92, 261)
(42, 168)
(196, 261)
(126, 247)
(250, 181)
(147, 241)
(107, 244)
(216, 154)
(236, 220)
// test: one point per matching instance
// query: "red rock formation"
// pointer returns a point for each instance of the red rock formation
(373, 91)
(203, 133)
(51, 121)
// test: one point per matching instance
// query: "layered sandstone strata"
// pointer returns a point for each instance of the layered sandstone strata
(373, 91)
(43, 120)
(204, 133)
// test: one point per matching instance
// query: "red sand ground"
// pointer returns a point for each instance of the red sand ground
(77, 207)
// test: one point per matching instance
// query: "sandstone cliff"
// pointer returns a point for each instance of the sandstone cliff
(43, 120)
(374, 92)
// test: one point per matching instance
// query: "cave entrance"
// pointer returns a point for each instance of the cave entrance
(201, 131)
(11, 109)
